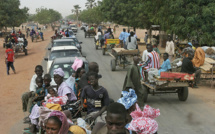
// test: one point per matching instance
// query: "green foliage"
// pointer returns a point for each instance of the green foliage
(10, 13)
(125, 12)
(45, 16)
(189, 19)
(71, 17)
(90, 4)
(76, 11)
(93, 15)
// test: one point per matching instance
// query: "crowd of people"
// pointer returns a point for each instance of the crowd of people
(47, 99)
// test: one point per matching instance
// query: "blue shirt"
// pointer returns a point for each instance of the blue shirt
(165, 66)
(123, 36)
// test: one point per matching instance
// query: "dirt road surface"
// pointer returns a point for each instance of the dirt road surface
(13, 85)
(195, 116)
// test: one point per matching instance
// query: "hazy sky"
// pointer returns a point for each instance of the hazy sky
(63, 6)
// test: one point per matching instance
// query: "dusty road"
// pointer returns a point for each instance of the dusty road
(195, 116)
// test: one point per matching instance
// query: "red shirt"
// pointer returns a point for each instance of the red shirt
(9, 54)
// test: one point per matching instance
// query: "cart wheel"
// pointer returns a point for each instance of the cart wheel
(26, 52)
(145, 93)
(113, 64)
(183, 94)
(97, 47)
(4, 45)
(103, 51)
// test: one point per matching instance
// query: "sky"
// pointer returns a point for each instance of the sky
(62, 6)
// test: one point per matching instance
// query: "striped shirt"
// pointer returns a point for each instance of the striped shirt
(154, 60)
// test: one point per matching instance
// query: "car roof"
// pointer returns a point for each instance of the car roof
(68, 60)
(60, 40)
(72, 37)
(64, 48)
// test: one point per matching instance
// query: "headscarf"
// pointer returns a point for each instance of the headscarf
(77, 64)
(65, 125)
(189, 43)
(143, 121)
(59, 71)
(128, 99)
(77, 130)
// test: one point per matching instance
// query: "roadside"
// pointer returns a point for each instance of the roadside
(14, 85)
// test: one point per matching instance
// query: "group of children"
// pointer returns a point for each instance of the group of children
(46, 105)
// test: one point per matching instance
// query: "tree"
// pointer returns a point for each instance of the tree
(45, 16)
(76, 11)
(93, 15)
(90, 4)
(188, 19)
(71, 17)
(125, 12)
(10, 13)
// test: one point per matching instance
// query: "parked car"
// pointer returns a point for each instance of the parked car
(61, 51)
(65, 42)
(74, 27)
(65, 64)
(74, 39)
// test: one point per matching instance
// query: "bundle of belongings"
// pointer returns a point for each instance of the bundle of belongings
(209, 52)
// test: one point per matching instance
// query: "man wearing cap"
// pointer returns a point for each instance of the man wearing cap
(62, 88)
(170, 48)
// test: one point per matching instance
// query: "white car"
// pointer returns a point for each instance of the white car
(74, 27)
(61, 51)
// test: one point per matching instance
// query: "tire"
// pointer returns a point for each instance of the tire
(113, 64)
(145, 93)
(103, 51)
(26, 52)
(183, 94)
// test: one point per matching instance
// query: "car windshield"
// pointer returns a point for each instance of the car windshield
(64, 43)
(66, 68)
(71, 33)
(64, 53)
(72, 26)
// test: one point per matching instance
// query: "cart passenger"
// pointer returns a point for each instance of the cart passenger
(153, 61)
(132, 80)
(99, 33)
(145, 53)
(115, 120)
(97, 99)
(187, 67)
(199, 56)
(131, 42)
(166, 66)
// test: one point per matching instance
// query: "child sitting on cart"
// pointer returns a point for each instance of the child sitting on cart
(165, 67)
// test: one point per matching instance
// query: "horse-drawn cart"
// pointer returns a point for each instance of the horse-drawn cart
(90, 32)
(169, 83)
(120, 56)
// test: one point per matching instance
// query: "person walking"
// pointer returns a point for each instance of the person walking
(133, 81)
(170, 48)
(9, 59)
